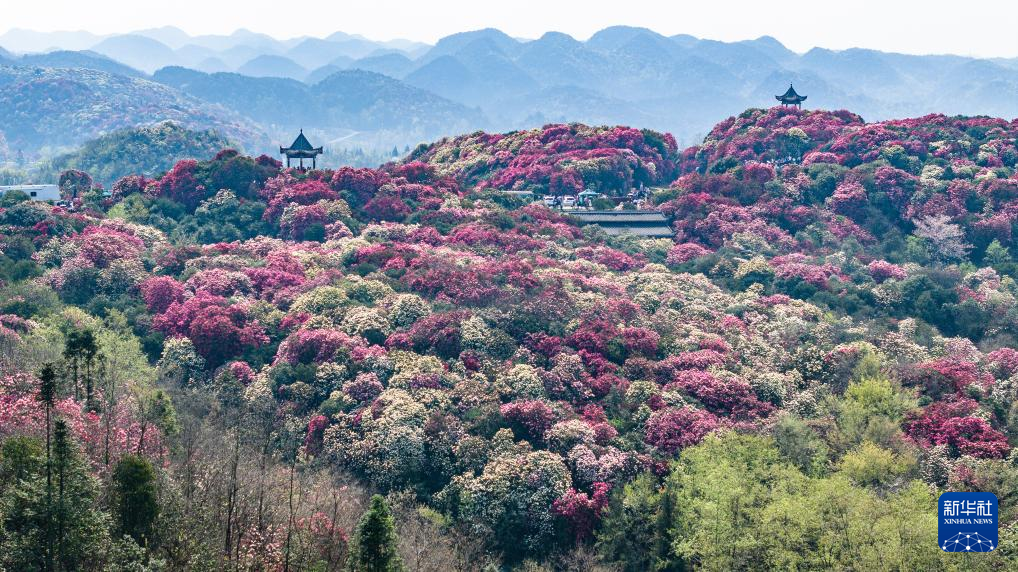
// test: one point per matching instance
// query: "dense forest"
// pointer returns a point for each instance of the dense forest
(235, 366)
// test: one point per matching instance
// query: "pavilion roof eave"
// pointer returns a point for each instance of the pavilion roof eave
(299, 153)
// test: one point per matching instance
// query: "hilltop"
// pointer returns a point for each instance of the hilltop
(149, 151)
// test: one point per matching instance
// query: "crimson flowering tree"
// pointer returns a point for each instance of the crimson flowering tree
(583, 511)
(129, 185)
(944, 376)
(594, 415)
(438, 333)
(684, 252)
(594, 336)
(849, 199)
(641, 341)
(675, 428)
(218, 329)
(758, 173)
(565, 182)
(1004, 362)
(101, 245)
(415, 172)
(307, 192)
(74, 184)
(274, 283)
(181, 184)
(357, 185)
(242, 372)
(387, 208)
(315, 433)
(531, 417)
(952, 423)
(733, 398)
(219, 282)
(882, 270)
(315, 346)
(160, 292)
(697, 359)
(301, 220)
(897, 185)
(795, 267)
(364, 388)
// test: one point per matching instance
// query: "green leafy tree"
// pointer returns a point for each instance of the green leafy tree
(997, 254)
(872, 409)
(155, 408)
(373, 547)
(800, 445)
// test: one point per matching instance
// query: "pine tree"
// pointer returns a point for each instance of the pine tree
(47, 395)
(81, 349)
(81, 529)
(72, 521)
(23, 528)
(627, 535)
(373, 547)
(136, 502)
(664, 521)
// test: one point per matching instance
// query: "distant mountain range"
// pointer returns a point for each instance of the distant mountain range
(349, 90)
(383, 110)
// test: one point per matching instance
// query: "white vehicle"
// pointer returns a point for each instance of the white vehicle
(35, 192)
(569, 202)
(549, 201)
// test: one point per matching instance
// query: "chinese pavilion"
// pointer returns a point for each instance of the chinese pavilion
(301, 149)
(791, 98)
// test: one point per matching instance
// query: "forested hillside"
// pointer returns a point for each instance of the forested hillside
(59, 108)
(149, 150)
(215, 368)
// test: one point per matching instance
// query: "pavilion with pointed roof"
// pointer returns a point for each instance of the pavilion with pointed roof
(301, 149)
(791, 98)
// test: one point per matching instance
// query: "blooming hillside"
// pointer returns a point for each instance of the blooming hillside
(557, 159)
(836, 313)
(910, 217)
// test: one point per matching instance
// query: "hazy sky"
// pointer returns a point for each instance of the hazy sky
(970, 27)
